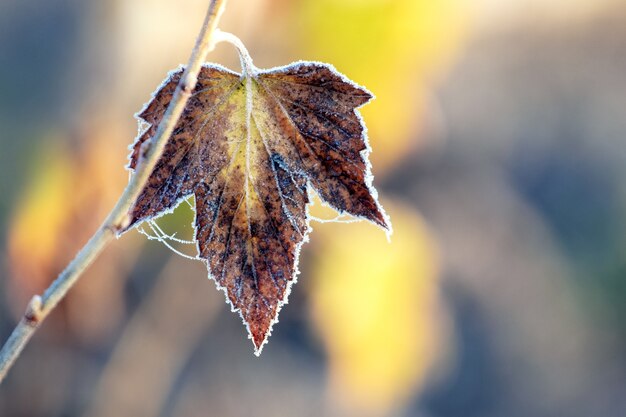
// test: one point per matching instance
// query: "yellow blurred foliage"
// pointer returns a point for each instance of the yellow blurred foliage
(41, 213)
(69, 194)
(393, 47)
(377, 307)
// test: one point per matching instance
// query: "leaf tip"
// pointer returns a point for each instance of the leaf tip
(381, 219)
(259, 339)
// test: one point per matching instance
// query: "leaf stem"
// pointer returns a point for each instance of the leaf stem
(39, 307)
(247, 67)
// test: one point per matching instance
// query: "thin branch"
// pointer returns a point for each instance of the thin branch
(39, 307)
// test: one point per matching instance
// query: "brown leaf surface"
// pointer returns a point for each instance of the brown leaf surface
(248, 147)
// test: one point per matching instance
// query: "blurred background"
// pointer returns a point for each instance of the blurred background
(499, 137)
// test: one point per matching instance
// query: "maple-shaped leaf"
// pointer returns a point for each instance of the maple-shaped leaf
(250, 147)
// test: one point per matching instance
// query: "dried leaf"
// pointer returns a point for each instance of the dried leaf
(249, 148)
